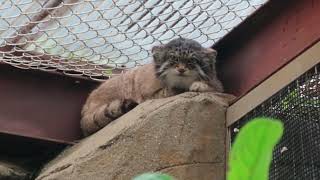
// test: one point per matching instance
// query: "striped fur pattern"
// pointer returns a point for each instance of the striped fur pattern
(182, 62)
(179, 66)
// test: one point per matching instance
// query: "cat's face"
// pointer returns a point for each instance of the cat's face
(182, 62)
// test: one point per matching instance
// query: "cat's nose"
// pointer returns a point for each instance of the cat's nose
(181, 70)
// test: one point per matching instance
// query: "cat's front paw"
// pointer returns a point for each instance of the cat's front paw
(128, 105)
(117, 108)
(199, 87)
(113, 110)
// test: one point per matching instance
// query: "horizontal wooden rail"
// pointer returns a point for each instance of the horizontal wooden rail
(273, 84)
(266, 42)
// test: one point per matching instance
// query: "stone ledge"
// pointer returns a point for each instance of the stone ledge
(169, 135)
(9, 171)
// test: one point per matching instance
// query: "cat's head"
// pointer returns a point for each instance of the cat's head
(182, 61)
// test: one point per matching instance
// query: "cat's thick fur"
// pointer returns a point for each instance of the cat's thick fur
(179, 66)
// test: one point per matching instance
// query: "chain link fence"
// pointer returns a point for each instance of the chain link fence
(101, 38)
(297, 156)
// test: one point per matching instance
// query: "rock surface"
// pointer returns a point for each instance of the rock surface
(183, 136)
(9, 171)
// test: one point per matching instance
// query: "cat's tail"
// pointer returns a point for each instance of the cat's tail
(94, 120)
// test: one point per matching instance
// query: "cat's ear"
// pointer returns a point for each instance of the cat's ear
(211, 53)
(157, 49)
(158, 53)
(210, 57)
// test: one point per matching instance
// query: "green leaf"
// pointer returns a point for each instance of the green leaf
(153, 176)
(251, 153)
(108, 72)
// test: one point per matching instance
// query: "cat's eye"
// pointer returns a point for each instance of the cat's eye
(190, 64)
(194, 59)
(172, 57)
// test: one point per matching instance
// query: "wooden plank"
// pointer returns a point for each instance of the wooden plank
(273, 84)
(41, 105)
(266, 42)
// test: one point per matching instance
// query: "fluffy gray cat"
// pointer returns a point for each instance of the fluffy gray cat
(178, 66)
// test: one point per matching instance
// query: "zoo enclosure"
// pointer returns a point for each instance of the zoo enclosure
(261, 45)
(85, 41)
(290, 92)
(99, 38)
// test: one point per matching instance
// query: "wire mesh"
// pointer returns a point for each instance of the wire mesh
(297, 156)
(100, 38)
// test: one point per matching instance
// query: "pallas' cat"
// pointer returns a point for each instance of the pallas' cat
(178, 66)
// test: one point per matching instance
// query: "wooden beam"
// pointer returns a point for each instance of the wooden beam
(58, 65)
(41, 105)
(266, 42)
(48, 7)
(273, 84)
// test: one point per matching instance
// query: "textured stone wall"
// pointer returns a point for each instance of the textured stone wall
(12, 171)
(183, 136)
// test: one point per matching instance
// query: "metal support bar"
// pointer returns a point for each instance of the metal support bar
(51, 61)
(41, 105)
(48, 7)
(265, 42)
(273, 84)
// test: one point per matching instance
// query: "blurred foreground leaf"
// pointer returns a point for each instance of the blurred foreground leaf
(251, 153)
(153, 176)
